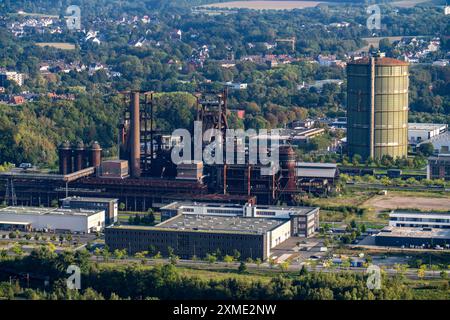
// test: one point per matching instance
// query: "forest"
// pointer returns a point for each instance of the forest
(164, 281)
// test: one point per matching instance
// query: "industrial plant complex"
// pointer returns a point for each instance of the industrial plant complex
(205, 207)
(145, 177)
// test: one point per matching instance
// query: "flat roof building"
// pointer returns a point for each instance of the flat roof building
(413, 237)
(54, 219)
(109, 205)
(305, 220)
(198, 235)
(202, 228)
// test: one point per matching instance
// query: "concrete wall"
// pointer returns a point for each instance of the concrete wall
(280, 234)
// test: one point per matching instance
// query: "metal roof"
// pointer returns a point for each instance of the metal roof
(316, 170)
(414, 233)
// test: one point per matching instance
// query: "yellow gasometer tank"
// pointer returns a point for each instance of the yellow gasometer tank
(377, 107)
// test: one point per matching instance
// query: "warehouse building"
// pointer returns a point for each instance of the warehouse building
(110, 206)
(52, 219)
(304, 220)
(197, 235)
(413, 237)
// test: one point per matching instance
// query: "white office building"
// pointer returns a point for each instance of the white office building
(435, 220)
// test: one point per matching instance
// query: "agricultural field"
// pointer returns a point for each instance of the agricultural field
(266, 5)
(57, 45)
(408, 3)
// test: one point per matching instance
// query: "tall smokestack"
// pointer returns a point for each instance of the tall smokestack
(135, 136)
(287, 159)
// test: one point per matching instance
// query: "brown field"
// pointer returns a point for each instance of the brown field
(57, 45)
(266, 5)
(389, 202)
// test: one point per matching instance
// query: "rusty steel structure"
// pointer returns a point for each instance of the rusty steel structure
(77, 157)
(152, 180)
(212, 110)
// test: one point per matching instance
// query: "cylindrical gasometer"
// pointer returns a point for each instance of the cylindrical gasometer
(377, 107)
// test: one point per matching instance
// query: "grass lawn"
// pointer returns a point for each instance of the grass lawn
(125, 215)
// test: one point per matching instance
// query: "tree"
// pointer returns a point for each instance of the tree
(363, 228)
(157, 256)
(3, 254)
(242, 267)
(228, 259)
(236, 255)
(421, 271)
(258, 262)
(284, 266)
(141, 255)
(173, 259)
(120, 254)
(106, 254)
(97, 252)
(170, 251)
(272, 262)
(356, 160)
(210, 258)
(427, 149)
(17, 249)
(51, 247)
(303, 271)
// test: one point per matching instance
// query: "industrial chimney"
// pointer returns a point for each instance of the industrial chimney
(287, 161)
(135, 136)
